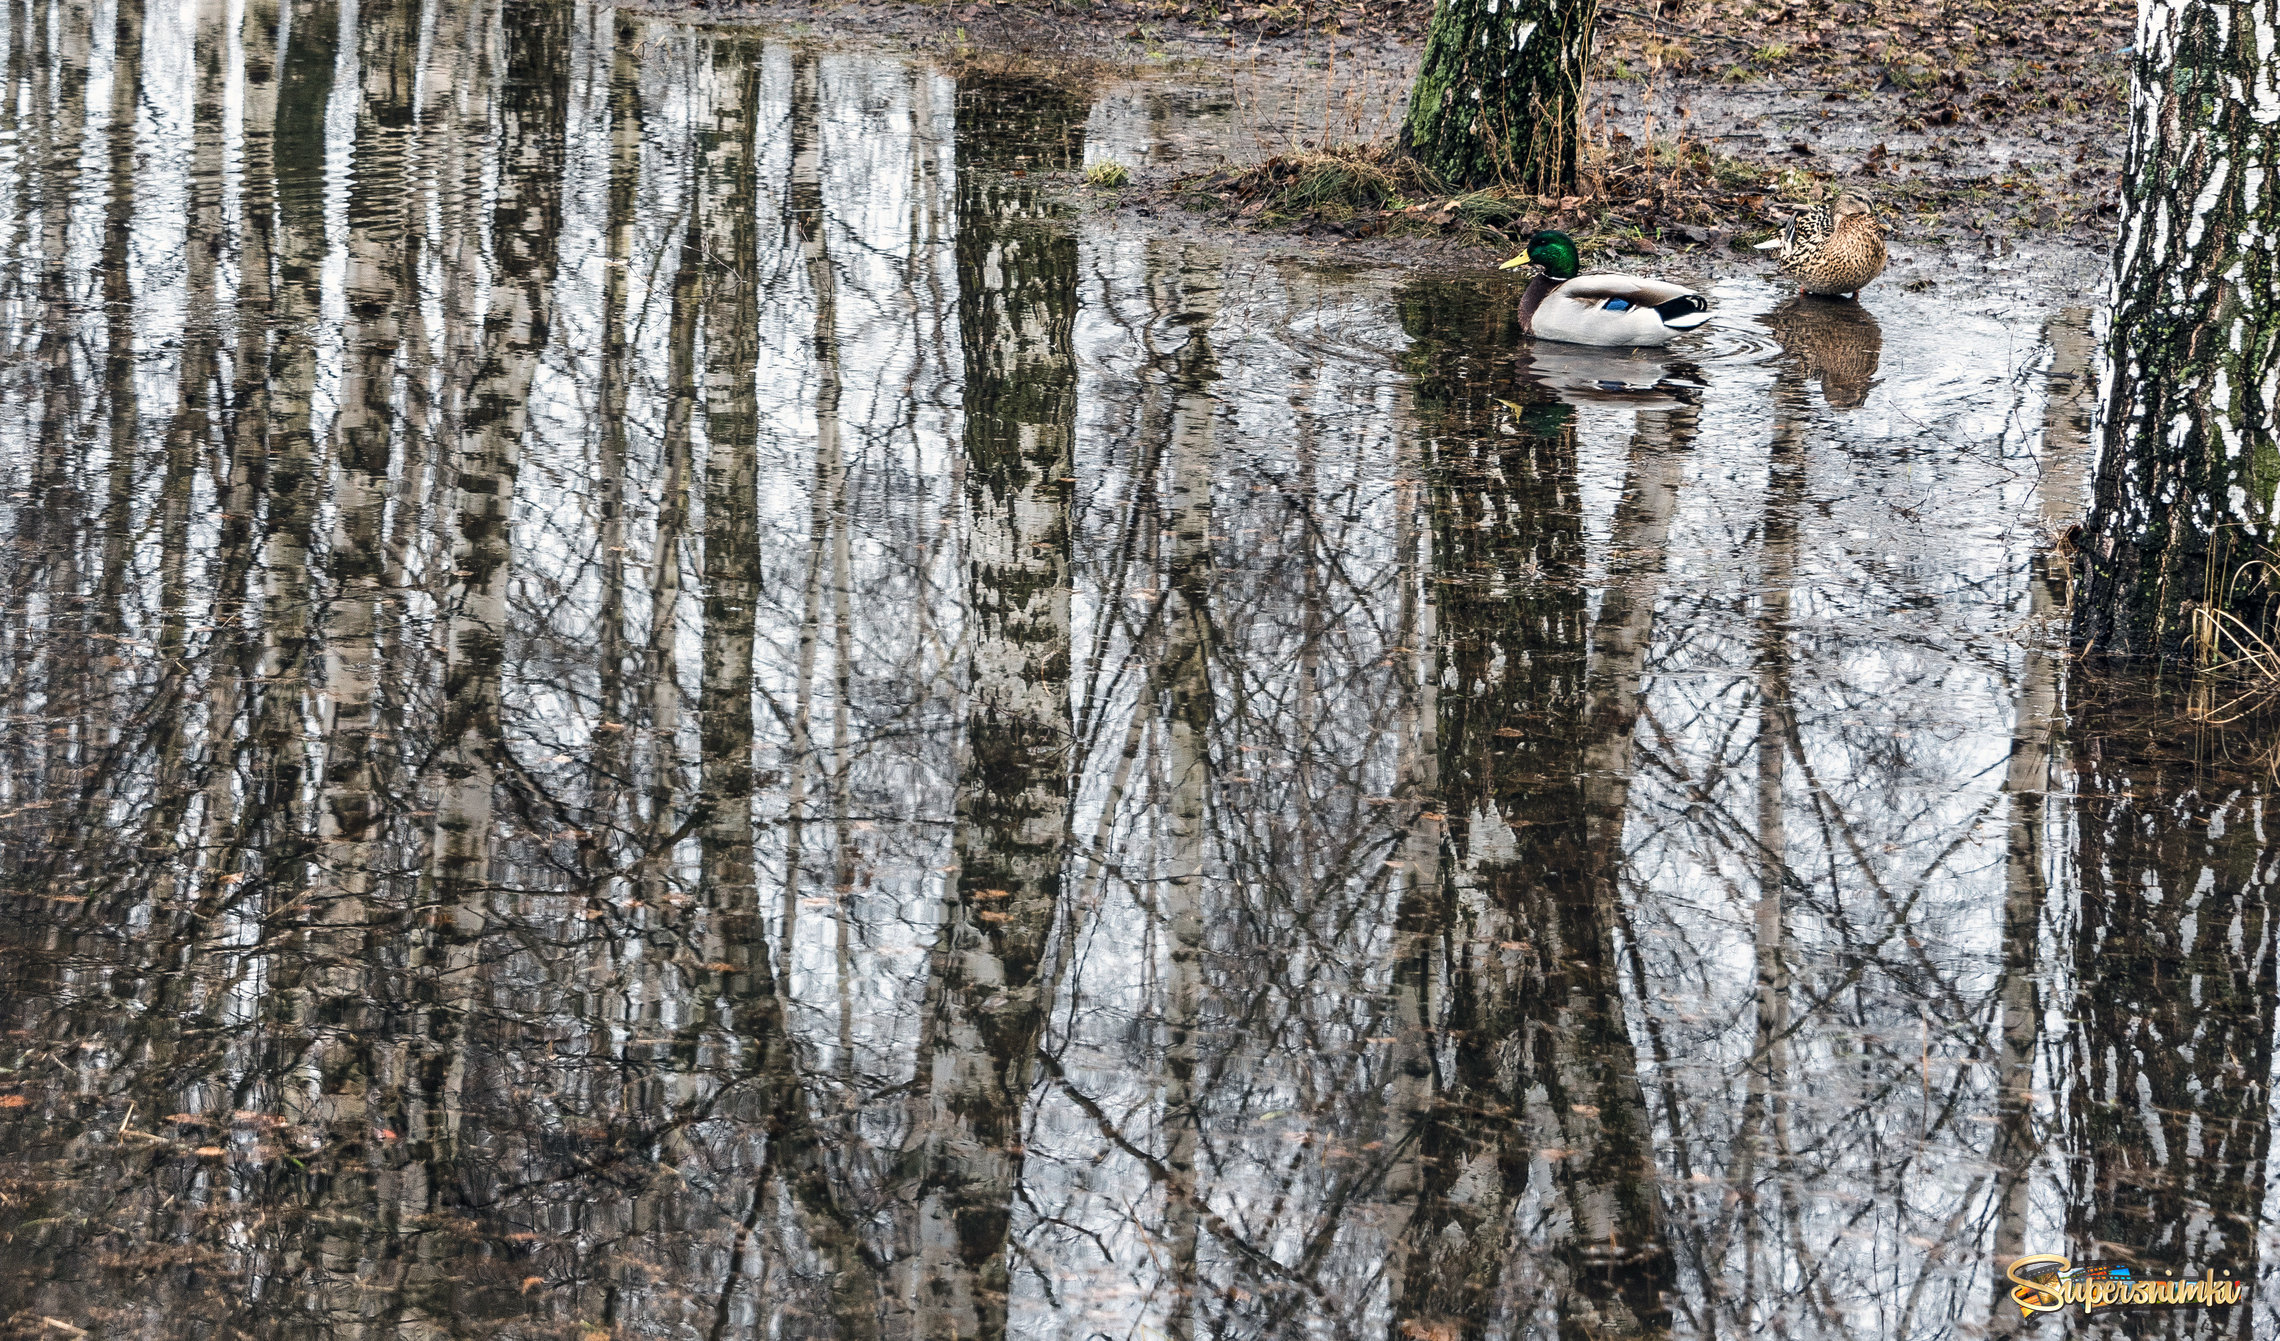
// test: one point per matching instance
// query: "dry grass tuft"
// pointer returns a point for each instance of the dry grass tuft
(2239, 663)
(1630, 198)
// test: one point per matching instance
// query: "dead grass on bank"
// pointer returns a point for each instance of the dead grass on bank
(1632, 199)
(2238, 661)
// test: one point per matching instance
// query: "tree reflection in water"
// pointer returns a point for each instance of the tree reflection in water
(647, 688)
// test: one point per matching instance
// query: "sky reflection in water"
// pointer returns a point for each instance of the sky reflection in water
(649, 690)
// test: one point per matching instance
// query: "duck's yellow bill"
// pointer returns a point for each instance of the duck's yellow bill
(1515, 263)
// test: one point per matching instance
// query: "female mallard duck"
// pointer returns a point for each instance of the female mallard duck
(1599, 309)
(1833, 249)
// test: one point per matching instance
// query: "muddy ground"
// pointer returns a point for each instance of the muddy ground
(1987, 133)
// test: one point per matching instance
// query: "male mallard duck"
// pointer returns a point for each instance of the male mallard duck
(1599, 309)
(1833, 249)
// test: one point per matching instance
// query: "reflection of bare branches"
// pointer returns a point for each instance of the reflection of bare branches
(392, 785)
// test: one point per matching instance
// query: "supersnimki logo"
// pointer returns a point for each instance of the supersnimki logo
(2047, 1283)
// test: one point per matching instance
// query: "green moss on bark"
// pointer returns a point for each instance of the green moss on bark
(1499, 92)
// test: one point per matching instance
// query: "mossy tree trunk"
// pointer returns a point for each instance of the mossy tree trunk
(1499, 94)
(2189, 457)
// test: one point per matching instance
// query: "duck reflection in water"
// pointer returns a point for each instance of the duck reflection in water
(1640, 379)
(1837, 344)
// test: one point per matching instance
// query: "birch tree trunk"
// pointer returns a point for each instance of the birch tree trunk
(1499, 92)
(2183, 516)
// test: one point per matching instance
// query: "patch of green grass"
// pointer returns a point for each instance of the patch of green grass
(1910, 74)
(1733, 174)
(1797, 184)
(1770, 53)
(1107, 174)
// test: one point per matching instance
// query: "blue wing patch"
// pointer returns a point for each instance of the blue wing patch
(1618, 304)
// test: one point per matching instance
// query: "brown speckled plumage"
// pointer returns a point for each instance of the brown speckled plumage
(1833, 248)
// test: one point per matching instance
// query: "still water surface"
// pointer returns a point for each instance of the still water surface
(649, 688)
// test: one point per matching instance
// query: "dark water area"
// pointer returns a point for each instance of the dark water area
(649, 687)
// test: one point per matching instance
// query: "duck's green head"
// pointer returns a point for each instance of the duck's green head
(1551, 249)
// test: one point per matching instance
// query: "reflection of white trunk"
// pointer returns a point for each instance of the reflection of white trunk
(990, 948)
(1765, 1109)
(333, 983)
(487, 458)
(57, 507)
(375, 293)
(731, 322)
(1614, 1205)
(116, 270)
(305, 60)
(249, 393)
(1621, 635)
(195, 414)
(443, 174)
(987, 996)
(1534, 1174)
(60, 83)
(203, 241)
(1184, 686)
(826, 502)
(611, 744)
(1409, 1065)
(2026, 784)
(661, 667)
(2071, 393)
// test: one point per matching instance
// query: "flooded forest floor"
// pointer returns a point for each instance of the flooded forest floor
(658, 680)
(1988, 127)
